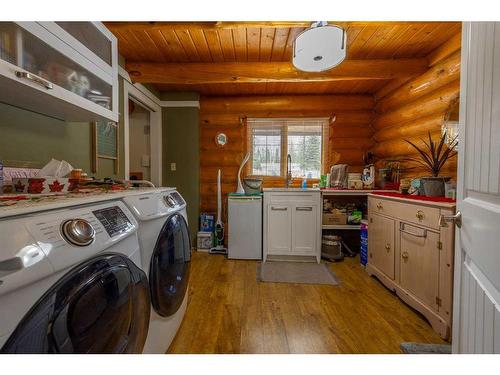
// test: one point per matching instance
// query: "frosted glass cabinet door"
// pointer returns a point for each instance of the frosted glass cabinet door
(48, 63)
(91, 37)
(46, 57)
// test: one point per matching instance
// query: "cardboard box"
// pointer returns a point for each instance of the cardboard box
(336, 217)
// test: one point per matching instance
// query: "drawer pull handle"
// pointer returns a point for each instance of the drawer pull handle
(387, 247)
(423, 235)
(405, 255)
(379, 205)
(420, 215)
(304, 208)
(279, 208)
(35, 79)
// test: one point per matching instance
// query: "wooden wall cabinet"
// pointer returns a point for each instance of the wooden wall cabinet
(411, 254)
(292, 224)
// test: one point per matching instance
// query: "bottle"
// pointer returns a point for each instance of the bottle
(1, 177)
(304, 183)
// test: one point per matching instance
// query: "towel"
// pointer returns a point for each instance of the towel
(338, 176)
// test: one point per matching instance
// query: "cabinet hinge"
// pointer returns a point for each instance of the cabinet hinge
(440, 245)
(438, 301)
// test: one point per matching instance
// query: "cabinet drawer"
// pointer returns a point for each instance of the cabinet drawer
(413, 213)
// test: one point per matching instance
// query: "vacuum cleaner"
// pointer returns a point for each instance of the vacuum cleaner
(219, 225)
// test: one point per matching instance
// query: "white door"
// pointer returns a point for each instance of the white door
(476, 315)
(279, 225)
(304, 218)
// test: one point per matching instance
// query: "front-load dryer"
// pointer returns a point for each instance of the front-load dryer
(166, 256)
(71, 282)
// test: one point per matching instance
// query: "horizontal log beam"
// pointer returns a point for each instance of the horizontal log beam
(439, 75)
(259, 72)
(258, 106)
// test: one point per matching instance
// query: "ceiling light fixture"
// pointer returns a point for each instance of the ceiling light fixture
(319, 48)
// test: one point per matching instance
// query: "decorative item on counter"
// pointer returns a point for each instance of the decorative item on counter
(76, 174)
(404, 185)
(433, 157)
(339, 176)
(322, 181)
(385, 176)
(304, 183)
(450, 189)
(368, 174)
(252, 185)
(240, 189)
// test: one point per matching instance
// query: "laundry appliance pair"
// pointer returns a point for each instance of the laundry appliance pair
(99, 274)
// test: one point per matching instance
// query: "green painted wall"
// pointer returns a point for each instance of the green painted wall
(181, 146)
(29, 139)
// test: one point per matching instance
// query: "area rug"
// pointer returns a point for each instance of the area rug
(296, 273)
(417, 348)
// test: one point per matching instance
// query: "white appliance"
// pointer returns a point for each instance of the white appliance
(71, 282)
(166, 255)
(245, 227)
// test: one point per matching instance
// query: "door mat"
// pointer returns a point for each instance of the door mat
(417, 348)
(296, 273)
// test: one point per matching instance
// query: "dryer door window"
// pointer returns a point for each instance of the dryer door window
(101, 306)
(169, 268)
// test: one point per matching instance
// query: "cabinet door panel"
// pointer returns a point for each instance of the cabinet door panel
(420, 263)
(381, 244)
(279, 225)
(304, 224)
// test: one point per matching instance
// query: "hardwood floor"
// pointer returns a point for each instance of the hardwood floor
(229, 311)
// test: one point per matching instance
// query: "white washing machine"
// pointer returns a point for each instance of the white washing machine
(71, 282)
(166, 256)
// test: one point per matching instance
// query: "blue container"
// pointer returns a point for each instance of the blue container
(207, 222)
(363, 253)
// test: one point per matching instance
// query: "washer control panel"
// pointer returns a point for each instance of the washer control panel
(114, 220)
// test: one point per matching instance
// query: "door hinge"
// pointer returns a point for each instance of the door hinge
(440, 245)
(438, 301)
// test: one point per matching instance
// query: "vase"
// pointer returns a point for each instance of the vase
(434, 186)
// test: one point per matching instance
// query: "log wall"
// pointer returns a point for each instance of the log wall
(409, 109)
(350, 134)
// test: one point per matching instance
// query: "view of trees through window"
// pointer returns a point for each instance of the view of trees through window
(272, 140)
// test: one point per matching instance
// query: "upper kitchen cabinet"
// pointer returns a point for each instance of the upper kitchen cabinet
(66, 70)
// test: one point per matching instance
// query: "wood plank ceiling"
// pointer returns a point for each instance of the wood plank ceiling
(268, 42)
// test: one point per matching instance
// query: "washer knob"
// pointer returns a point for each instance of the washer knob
(169, 201)
(79, 232)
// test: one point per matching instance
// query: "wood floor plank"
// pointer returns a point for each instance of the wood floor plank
(229, 311)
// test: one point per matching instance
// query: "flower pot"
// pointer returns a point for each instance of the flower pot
(434, 186)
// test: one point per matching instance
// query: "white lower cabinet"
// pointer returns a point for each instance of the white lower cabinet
(292, 225)
(280, 223)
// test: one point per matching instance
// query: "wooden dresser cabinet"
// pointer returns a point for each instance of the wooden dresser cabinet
(412, 254)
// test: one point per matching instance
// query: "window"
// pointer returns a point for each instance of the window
(271, 140)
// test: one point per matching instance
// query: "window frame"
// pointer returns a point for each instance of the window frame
(325, 140)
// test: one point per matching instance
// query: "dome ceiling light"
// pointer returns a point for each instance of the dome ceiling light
(319, 48)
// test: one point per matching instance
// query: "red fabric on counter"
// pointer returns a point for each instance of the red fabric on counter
(417, 197)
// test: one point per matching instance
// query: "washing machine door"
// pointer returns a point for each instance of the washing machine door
(100, 306)
(169, 267)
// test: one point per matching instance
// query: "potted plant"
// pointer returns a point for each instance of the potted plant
(433, 157)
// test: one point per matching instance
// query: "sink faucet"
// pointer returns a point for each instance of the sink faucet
(288, 171)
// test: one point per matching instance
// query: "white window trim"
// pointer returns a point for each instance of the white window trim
(265, 121)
